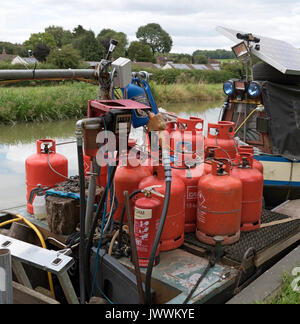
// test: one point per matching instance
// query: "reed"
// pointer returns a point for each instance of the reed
(44, 103)
(69, 100)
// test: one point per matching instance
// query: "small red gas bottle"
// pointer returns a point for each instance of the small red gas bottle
(147, 213)
(173, 233)
(46, 168)
(222, 135)
(127, 178)
(219, 205)
(249, 149)
(189, 169)
(253, 183)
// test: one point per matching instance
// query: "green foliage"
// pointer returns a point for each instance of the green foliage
(140, 52)
(215, 54)
(44, 103)
(286, 295)
(179, 58)
(85, 42)
(9, 66)
(13, 49)
(40, 38)
(41, 52)
(61, 36)
(171, 76)
(200, 59)
(234, 68)
(65, 58)
(106, 35)
(157, 38)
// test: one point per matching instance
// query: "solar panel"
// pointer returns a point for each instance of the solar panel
(279, 54)
(181, 66)
(199, 66)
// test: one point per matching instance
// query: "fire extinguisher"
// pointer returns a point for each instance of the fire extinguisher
(147, 213)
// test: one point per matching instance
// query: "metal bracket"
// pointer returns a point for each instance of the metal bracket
(55, 262)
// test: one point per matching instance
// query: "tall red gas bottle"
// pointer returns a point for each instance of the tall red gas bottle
(219, 206)
(173, 233)
(41, 170)
(127, 178)
(188, 135)
(222, 135)
(147, 213)
(189, 170)
(253, 183)
(249, 149)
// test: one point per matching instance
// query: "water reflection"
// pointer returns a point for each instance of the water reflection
(17, 143)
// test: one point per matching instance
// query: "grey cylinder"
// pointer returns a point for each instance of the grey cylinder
(44, 74)
(6, 290)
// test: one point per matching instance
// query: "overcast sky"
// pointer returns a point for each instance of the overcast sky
(191, 23)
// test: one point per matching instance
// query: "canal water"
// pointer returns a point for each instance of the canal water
(19, 141)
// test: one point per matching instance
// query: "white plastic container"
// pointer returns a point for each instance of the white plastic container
(39, 207)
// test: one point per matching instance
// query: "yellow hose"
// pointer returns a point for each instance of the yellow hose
(252, 112)
(39, 235)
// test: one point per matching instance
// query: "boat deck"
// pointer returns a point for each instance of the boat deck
(180, 269)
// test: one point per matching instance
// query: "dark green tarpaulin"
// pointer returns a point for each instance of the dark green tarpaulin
(282, 105)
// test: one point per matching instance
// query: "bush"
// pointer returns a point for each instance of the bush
(65, 58)
(178, 76)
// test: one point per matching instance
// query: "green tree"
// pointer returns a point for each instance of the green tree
(87, 45)
(215, 54)
(157, 38)
(106, 35)
(61, 36)
(64, 58)
(41, 52)
(140, 52)
(40, 38)
(200, 59)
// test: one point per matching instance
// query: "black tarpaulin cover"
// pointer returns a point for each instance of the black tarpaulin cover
(282, 105)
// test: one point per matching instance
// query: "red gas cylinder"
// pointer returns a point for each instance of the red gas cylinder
(189, 170)
(173, 232)
(249, 149)
(253, 183)
(219, 206)
(209, 157)
(222, 136)
(41, 171)
(188, 135)
(128, 177)
(147, 213)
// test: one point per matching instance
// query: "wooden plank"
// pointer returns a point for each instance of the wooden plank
(275, 249)
(281, 221)
(24, 295)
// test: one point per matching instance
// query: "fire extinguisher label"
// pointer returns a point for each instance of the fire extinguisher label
(142, 213)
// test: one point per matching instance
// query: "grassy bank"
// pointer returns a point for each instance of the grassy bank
(44, 103)
(63, 101)
(286, 295)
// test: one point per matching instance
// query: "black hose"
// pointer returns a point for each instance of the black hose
(168, 176)
(122, 218)
(93, 229)
(82, 273)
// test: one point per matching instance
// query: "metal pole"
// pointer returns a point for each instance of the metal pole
(6, 290)
(45, 74)
(133, 249)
